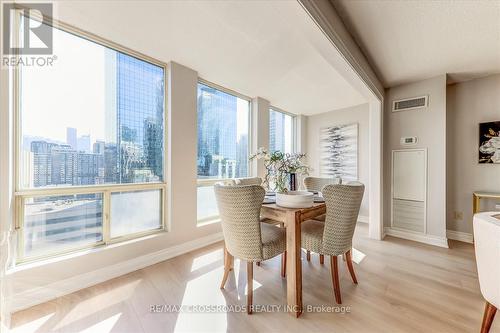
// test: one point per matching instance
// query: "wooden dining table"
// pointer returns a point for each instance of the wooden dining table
(292, 218)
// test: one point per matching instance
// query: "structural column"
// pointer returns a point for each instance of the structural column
(260, 133)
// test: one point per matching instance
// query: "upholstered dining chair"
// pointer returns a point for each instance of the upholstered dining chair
(248, 181)
(253, 181)
(245, 236)
(334, 236)
(316, 184)
(313, 184)
(487, 246)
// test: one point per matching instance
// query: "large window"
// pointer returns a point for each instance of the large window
(90, 147)
(281, 131)
(223, 123)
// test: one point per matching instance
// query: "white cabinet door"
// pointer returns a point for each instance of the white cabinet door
(409, 174)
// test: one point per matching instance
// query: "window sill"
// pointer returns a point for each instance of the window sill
(22, 266)
(208, 221)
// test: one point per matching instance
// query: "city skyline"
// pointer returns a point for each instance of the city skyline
(134, 122)
(223, 121)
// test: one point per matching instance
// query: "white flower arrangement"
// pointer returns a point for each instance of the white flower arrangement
(279, 166)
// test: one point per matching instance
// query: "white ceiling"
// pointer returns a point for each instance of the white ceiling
(412, 40)
(270, 49)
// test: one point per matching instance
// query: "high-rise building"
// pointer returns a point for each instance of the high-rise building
(42, 162)
(54, 164)
(98, 147)
(83, 143)
(139, 115)
(88, 169)
(71, 137)
(64, 165)
(111, 163)
(276, 131)
(42, 169)
(217, 134)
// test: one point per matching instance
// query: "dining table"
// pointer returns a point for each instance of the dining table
(292, 219)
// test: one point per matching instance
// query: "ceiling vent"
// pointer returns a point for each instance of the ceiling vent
(410, 103)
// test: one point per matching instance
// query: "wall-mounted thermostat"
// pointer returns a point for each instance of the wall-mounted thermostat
(409, 140)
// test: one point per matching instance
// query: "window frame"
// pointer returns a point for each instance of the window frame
(21, 194)
(294, 125)
(207, 182)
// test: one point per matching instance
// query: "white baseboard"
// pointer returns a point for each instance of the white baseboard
(49, 292)
(363, 219)
(417, 236)
(460, 236)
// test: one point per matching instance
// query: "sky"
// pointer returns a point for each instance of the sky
(69, 94)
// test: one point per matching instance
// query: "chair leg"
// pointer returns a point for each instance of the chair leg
(283, 258)
(308, 255)
(348, 260)
(335, 279)
(227, 269)
(225, 254)
(321, 259)
(249, 286)
(488, 316)
(283, 264)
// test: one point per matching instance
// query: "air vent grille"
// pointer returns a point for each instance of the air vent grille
(409, 103)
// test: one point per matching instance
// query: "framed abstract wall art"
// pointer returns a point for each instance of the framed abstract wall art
(489, 142)
(339, 152)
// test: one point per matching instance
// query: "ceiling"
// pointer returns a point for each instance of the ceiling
(270, 49)
(408, 41)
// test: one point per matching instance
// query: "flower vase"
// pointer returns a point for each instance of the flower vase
(293, 182)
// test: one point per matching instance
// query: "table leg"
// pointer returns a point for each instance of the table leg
(475, 204)
(475, 208)
(293, 264)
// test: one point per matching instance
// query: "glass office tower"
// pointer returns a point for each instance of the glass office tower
(222, 134)
(139, 112)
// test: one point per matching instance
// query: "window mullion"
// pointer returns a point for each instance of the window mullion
(106, 224)
(19, 226)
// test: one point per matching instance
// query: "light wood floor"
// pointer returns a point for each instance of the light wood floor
(403, 287)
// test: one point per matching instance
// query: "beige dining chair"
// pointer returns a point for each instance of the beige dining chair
(248, 181)
(313, 184)
(334, 236)
(245, 236)
(316, 184)
(253, 181)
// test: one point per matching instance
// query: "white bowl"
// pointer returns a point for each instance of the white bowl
(295, 199)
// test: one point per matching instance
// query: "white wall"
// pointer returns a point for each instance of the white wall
(468, 104)
(429, 125)
(357, 114)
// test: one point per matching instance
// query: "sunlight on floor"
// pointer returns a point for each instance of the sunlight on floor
(256, 286)
(103, 326)
(99, 302)
(203, 291)
(207, 259)
(357, 256)
(32, 326)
